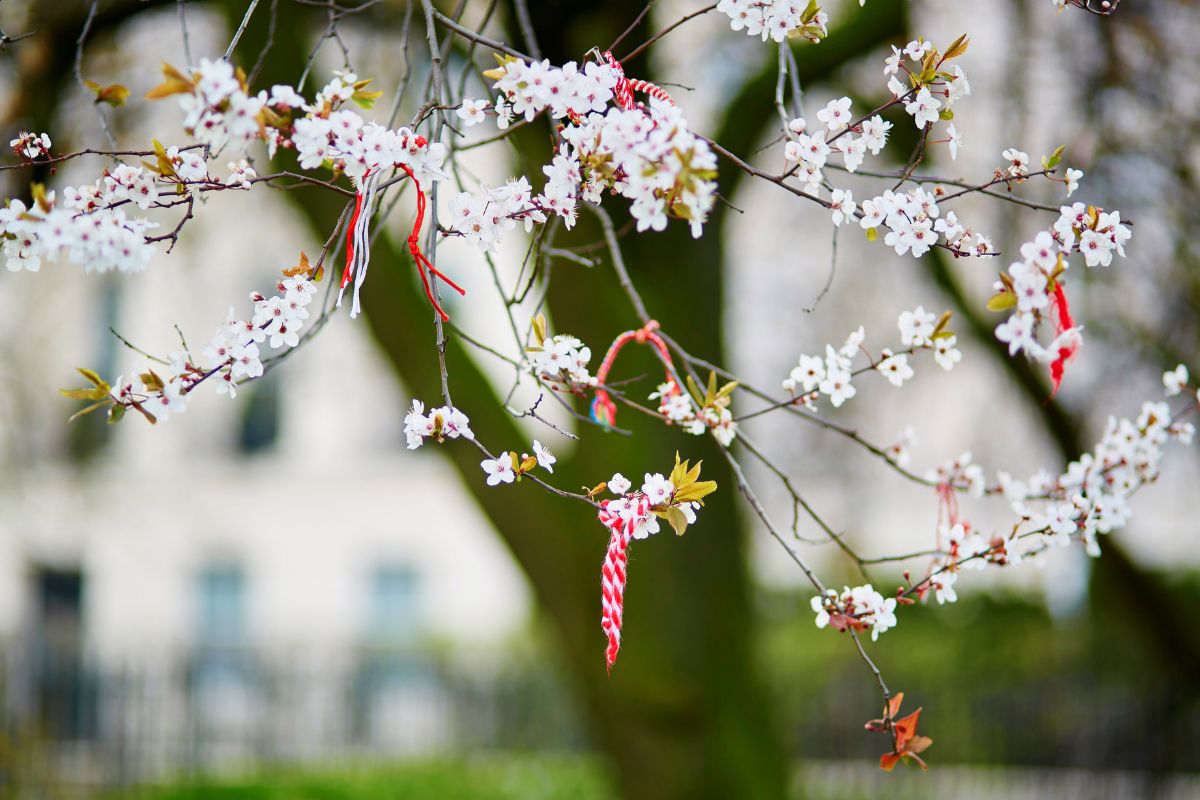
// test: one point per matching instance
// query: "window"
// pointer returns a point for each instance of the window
(222, 606)
(395, 604)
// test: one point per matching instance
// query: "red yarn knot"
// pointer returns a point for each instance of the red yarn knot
(643, 333)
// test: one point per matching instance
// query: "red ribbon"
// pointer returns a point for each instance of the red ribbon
(424, 265)
(358, 204)
(1063, 322)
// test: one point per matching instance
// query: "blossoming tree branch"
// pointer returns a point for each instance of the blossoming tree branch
(615, 140)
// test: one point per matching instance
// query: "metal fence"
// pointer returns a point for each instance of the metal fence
(78, 728)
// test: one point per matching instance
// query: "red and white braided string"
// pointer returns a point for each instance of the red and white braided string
(622, 521)
(652, 90)
(623, 91)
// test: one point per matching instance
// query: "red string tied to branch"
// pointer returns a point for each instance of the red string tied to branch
(358, 240)
(425, 267)
(603, 409)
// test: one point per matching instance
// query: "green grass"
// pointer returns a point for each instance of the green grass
(491, 777)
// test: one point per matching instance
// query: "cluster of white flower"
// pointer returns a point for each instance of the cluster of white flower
(31, 145)
(830, 376)
(1090, 498)
(645, 153)
(960, 473)
(918, 328)
(810, 151)
(219, 109)
(82, 224)
(481, 217)
(528, 88)
(861, 608)
(648, 155)
(1032, 286)
(562, 359)
(359, 148)
(233, 354)
(439, 424)
(776, 19)
(912, 220)
(657, 489)
(833, 374)
(506, 467)
(678, 409)
(950, 84)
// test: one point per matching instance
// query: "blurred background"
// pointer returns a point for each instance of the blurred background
(272, 598)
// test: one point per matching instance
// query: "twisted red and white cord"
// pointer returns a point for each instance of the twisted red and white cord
(622, 521)
(623, 91)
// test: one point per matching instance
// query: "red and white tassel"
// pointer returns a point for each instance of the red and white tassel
(358, 239)
(622, 522)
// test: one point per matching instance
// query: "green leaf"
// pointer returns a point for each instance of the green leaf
(116, 414)
(957, 48)
(1002, 301)
(165, 166)
(152, 381)
(1055, 159)
(539, 328)
(365, 100)
(677, 519)
(678, 471)
(114, 94)
(695, 491)
(92, 376)
(88, 409)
